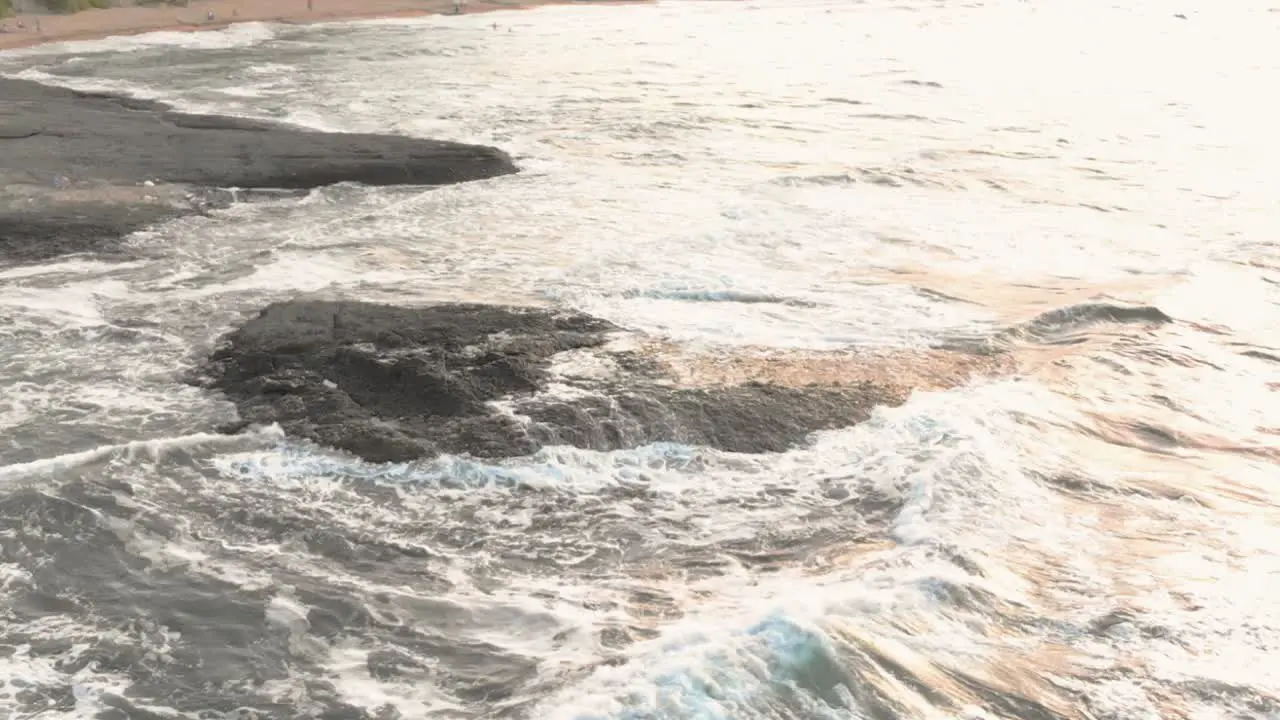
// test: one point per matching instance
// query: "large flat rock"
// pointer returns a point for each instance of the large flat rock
(47, 131)
(393, 383)
(54, 140)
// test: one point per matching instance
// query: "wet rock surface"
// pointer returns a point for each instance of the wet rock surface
(72, 160)
(391, 384)
(46, 230)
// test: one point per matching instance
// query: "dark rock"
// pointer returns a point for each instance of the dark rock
(395, 384)
(390, 383)
(50, 131)
(746, 418)
(54, 140)
(48, 230)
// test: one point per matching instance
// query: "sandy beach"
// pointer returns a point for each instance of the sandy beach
(91, 24)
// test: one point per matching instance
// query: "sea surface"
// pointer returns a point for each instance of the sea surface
(1092, 535)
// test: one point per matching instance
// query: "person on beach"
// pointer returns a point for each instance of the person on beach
(457, 7)
(209, 15)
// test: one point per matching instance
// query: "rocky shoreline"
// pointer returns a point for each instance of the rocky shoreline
(81, 171)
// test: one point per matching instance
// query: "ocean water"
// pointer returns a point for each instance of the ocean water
(1094, 534)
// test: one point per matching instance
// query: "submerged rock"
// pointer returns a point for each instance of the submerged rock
(50, 229)
(56, 141)
(393, 383)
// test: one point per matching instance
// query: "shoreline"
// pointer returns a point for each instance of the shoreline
(137, 20)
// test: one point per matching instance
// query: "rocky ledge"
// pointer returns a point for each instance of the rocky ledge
(393, 383)
(75, 164)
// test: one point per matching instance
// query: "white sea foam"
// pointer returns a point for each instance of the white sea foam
(154, 451)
